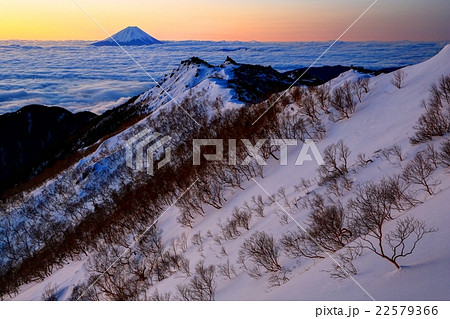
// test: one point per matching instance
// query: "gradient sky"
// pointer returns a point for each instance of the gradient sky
(245, 20)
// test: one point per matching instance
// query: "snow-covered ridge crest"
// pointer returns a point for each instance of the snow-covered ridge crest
(190, 77)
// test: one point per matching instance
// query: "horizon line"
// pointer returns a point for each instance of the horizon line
(245, 41)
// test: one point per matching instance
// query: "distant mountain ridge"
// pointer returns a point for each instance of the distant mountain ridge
(30, 135)
(129, 36)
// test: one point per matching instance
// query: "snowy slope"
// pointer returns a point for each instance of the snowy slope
(385, 117)
(129, 36)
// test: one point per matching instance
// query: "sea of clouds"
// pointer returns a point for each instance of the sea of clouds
(80, 77)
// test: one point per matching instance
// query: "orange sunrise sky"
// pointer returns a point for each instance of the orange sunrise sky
(262, 20)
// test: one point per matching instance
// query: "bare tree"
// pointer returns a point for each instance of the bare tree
(345, 267)
(50, 293)
(418, 171)
(399, 243)
(197, 240)
(327, 227)
(156, 296)
(297, 244)
(394, 150)
(398, 79)
(342, 101)
(436, 119)
(335, 157)
(444, 154)
(227, 270)
(359, 87)
(327, 231)
(431, 155)
(365, 84)
(259, 205)
(444, 87)
(262, 250)
(362, 160)
(322, 94)
(279, 278)
(202, 286)
(242, 218)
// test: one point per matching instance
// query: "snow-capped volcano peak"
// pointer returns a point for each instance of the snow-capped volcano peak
(129, 36)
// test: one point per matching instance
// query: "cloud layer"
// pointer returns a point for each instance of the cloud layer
(81, 77)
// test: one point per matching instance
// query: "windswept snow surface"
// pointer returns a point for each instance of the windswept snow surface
(385, 117)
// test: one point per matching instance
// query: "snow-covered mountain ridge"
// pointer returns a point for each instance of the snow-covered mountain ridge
(129, 36)
(384, 117)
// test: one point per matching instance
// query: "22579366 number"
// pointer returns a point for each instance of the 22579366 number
(407, 310)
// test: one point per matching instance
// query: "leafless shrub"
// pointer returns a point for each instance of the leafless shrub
(284, 220)
(398, 79)
(402, 197)
(371, 208)
(394, 150)
(185, 218)
(436, 119)
(345, 267)
(255, 272)
(295, 245)
(241, 261)
(431, 155)
(327, 226)
(156, 296)
(81, 292)
(226, 270)
(182, 242)
(50, 293)
(444, 154)
(284, 198)
(259, 205)
(399, 243)
(279, 278)
(197, 240)
(365, 84)
(229, 229)
(337, 186)
(261, 249)
(218, 239)
(362, 161)
(444, 88)
(418, 171)
(184, 293)
(335, 158)
(242, 218)
(223, 251)
(322, 94)
(342, 101)
(202, 285)
(434, 122)
(360, 87)
(304, 184)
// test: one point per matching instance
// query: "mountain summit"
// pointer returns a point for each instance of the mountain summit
(129, 36)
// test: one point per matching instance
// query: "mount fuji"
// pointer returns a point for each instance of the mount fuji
(129, 36)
